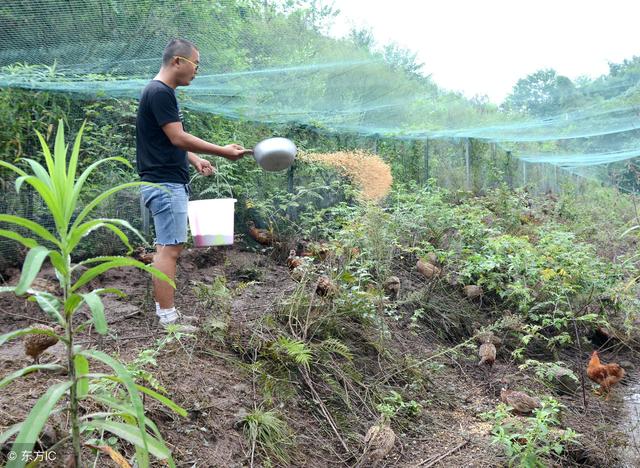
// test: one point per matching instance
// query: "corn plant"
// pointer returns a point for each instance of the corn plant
(60, 190)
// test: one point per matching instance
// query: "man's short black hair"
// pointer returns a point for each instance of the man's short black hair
(175, 47)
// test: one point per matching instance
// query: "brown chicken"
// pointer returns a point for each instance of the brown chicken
(487, 353)
(607, 375)
(326, 287)
(293, 261)
(472, 291)
(392, 287)
(429, 270)
(488, 337)
(261, 236)
(519, 401)
(141, 254)
(378, 442)
(36, 344)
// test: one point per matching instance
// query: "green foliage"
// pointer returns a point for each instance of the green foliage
(530, 442)
(393, 405)
(547, 371)
(267, 432)
(59, 185)
(289, 350)
(214, 296)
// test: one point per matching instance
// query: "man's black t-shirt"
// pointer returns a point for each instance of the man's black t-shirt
(158, 160)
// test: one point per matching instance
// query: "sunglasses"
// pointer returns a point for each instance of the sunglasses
(197, 65)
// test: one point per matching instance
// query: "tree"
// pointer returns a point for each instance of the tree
(541, 93)
(362, 38)
(401, 58)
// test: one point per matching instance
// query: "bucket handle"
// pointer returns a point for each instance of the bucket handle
(217, 175)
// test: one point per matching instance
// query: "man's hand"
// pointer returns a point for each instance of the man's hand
(203, 166)
(234, 152)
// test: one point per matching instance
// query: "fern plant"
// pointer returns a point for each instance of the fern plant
(60, 189)
(295, 351)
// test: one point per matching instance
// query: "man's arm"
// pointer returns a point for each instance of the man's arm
(188, 142)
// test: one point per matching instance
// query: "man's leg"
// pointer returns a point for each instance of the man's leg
(165, 260)
(169, 209)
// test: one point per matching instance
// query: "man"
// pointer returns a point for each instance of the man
(164, 152)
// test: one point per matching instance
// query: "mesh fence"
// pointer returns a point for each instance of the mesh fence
(269, 62)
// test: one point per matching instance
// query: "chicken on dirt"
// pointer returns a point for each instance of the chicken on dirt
(520, 402)
(378, 443)
(325, 287)
(392, 287)
(36, 344)
(261, 236)
(606, 375)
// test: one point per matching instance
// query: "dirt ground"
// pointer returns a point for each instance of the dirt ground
(207, 377)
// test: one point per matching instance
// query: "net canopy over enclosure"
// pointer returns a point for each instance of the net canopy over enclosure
(266, 62)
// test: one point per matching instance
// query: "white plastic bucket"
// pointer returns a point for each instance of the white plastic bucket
(211, 221)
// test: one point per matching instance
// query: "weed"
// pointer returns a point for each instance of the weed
(268, 433)
(530, 442)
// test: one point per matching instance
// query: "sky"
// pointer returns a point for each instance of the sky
(482, 47)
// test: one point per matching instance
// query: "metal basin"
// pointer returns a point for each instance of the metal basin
(275, 154)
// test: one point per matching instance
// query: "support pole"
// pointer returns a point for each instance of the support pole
(145, 218)
(467, 162)
(426, 161)
(291, 212)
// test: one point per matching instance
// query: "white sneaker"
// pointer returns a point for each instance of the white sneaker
(179, 322)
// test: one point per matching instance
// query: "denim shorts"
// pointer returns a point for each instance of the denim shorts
(169, 211)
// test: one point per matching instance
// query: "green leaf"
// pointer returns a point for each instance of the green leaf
(115, 291)
(31, 226)
(84, 229)
(59, 173)
(133, 435)
(11, 430)
(58, 262)
(28, 370)
(47, 152)
(100, 198)
(27, 331)
(97, 309)
(49, 303)
(109, 263)
(31, 267)
(123, 408)
(82, 179)
(153, 394)
(36, 420)
(39, 171)
(128, 411)
(13, 168)
(47, 195)
(127, 380)
(73, 165)
(30, 243)
(72, 303)
(164, 400)
(81, 365)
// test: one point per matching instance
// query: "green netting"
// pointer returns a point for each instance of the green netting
(267, 62)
